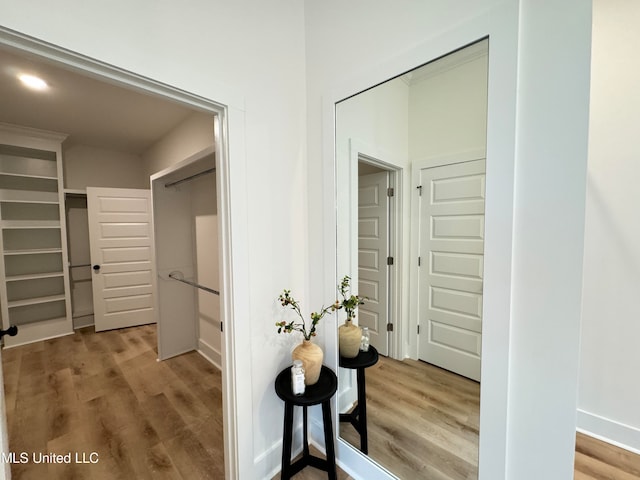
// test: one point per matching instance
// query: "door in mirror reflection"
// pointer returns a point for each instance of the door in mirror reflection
(452, 244)
(410, 172)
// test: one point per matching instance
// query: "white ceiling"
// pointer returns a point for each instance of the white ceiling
(90, 111)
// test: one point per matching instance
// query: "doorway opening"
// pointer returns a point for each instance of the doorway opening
(379, 251)
(159, 453)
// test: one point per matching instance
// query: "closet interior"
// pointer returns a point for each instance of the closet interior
(46, 273)
(186, 236)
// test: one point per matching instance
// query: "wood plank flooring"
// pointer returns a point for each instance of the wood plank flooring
(596, 460)
(423, 421)
(106, 393)
(423, 424)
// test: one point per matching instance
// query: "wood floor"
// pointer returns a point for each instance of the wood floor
(422, 421)
(596, 460)
(106, 393)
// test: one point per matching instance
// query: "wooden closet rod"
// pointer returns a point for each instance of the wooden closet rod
(193, 284)
(191, 177)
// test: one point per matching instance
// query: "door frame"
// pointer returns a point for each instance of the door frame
(359, 151)
(229, 135)
(414, 271)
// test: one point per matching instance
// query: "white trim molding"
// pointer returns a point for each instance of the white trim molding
(609, 431)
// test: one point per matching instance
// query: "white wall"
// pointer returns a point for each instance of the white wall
(87, 166)
(250, 55)
(537, 123)
(448, 107)
(191, 136)
(204, 212)
(609, 391)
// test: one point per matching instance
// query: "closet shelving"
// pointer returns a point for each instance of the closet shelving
(34, 292)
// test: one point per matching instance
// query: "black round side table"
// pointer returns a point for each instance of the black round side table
(358, 416)
(320, 393)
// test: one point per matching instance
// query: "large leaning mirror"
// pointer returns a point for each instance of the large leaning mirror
(410, 176)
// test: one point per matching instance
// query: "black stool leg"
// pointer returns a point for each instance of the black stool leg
(328, 440)
(305, 437)
(286, 441)
(362, 412)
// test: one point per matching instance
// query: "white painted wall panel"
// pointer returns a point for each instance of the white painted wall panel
(608, 400)
(87, 166)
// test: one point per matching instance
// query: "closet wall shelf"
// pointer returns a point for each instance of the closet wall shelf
(28, 196)
(27, 175)
(33, 251)
(78, 192)
(79, 265)
(33, 276)
(7, 224)
(36, 300)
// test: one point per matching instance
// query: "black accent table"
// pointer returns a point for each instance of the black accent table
(358, 416)
(320, 393)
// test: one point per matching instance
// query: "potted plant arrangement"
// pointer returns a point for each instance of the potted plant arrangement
(349, 335)
(310, 353)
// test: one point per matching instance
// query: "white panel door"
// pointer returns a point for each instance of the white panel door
(373, 249)
(122, 257)
(451, 266)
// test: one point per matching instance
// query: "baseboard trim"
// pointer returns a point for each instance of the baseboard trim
(211, 354)
(83, 321)
(348, 393)
(266, 461)
(609, 431)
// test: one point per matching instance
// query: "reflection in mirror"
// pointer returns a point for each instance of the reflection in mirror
(410, 171)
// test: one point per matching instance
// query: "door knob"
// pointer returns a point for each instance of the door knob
(96, 267)
(12, 331)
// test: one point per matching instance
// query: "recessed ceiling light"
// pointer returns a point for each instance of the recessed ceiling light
(33, 82)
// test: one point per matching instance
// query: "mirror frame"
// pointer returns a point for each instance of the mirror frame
(500, 27)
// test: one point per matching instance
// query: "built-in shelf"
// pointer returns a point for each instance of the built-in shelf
(36, 301)
(28, 162)
(33, 276)
(34, 251)
(25, 175)
(27, 196)
(34, 284)
(78, 192)
(21, 224)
